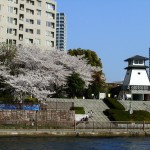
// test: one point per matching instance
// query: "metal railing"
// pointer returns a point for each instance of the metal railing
(75, 126)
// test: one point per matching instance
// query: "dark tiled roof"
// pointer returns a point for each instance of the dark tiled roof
(136, 67)
(137, 57)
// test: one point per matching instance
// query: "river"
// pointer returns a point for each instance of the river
(74, 143)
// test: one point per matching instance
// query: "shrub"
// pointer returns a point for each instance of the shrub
(30, 100)
(120, 115)
(113, 104)
(6, 100)
(140, 115)
(78, 110)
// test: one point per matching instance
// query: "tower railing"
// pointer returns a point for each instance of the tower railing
(136, 87)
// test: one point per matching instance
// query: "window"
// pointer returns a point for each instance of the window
(21, 27)
(48, 43)
(138, 62)
(50, 15)
(38, 31)
(21, 17)
(38, 12)
(52, 34)
(30, 21)
(29, 31)
(52, 25)
(9, 31)
(38, 41)
(48, 24)
(48, 33)
(30, 11)
(50, 6)
(9, 41)
(52, 43)
(38, 22)
(11, 0)
(39, 3)
(10, 9)
(10, 20)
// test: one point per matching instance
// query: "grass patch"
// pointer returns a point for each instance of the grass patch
(78, 110)
(113, 104)
(120, 115)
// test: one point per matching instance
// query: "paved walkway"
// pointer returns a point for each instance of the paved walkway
(79, 132)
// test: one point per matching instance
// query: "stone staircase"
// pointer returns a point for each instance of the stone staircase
(136, 105)
(97, 106)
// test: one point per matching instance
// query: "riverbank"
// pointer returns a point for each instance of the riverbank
(78, 133)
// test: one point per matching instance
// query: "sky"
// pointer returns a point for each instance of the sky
(114, 29)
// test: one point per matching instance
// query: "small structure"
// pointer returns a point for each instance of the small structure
(136, 83)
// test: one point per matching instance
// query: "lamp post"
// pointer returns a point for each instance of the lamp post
(131, 109)
(93, 96)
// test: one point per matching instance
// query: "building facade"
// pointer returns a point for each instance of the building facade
(136, 82)
(61, 31)
(28, 22)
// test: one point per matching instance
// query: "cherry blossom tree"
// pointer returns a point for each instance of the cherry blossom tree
(35, 71)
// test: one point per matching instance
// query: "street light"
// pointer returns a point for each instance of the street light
(131, 109)
(93, 96)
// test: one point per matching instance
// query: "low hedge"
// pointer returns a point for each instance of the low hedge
(78, 110)
(30, 100)
(113, 104)
(6, 100)
(121, 115)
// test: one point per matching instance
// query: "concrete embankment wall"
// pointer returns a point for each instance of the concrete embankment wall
(75, 133)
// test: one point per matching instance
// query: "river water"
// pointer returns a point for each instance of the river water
(74, 143)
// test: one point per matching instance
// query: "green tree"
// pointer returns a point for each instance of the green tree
(90, 55)
(98, 84)
(75, 85)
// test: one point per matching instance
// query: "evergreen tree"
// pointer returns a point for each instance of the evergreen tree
(98, 83)
(75, 85)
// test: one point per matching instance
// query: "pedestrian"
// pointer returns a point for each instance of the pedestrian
(86, 118)
(91, 114)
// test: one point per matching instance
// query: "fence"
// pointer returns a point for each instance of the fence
(74, 126)
(113, 125)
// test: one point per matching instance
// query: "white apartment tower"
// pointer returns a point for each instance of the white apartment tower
(28, 22)
(61, 31)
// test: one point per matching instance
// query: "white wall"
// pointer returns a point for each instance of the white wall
(139, 77)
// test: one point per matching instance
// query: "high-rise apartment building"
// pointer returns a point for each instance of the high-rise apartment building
(61, 31)
(28, 22)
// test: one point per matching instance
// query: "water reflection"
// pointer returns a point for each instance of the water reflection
(74, 143)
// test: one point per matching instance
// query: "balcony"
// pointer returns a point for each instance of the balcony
(20, 37)
(21, 17)
(22, 7)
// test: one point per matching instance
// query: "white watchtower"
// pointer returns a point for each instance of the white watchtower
(136, 81)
